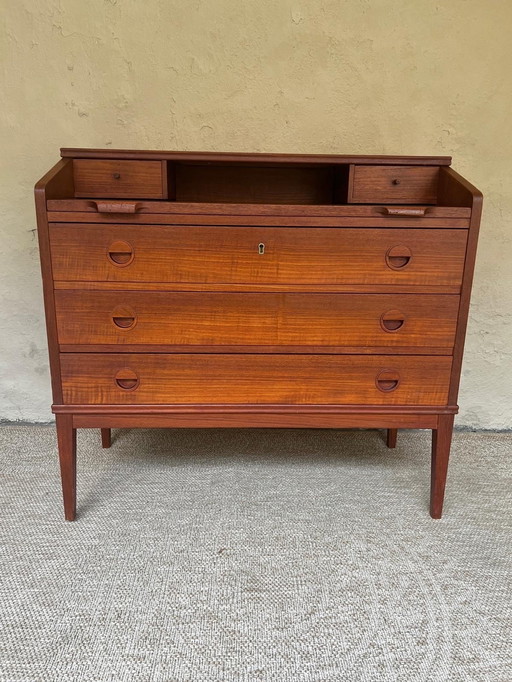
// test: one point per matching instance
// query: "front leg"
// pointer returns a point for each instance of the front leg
(441, 441)
(66, 438)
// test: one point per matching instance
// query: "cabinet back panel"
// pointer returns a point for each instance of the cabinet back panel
(254, 185)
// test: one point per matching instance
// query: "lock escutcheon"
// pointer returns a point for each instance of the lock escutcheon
(261, 248)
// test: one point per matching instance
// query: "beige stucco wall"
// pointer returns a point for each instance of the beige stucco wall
(327, 76)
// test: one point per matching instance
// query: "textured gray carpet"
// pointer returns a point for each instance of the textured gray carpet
(254, 555)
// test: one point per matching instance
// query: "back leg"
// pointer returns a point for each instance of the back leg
(391, 439)
(106, 438)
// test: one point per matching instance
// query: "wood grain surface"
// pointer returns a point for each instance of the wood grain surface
(265, 219)
(118, 179)
(314, 419)
(302, 379)
(254, 185)
(393, 184)
(253, 158)
(137, 317)
(231, 254)
(283, 210)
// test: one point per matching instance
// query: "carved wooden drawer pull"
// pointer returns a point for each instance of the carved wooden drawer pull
(398, 257)
(116, 206)
(127, 379)
(392, 320)
(124, 318)
(387, 380)
(120, 253)
(412, 212)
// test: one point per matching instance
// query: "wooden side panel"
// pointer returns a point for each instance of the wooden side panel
(454, 190)
(131, 379)
(261, 255)
(130, 317)
(453, 187)
(58, 182)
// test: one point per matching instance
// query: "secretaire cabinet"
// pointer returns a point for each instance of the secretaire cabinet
(255, 290)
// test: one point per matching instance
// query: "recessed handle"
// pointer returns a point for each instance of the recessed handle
(398, 257)
(124, 317)
(413, 212)
(120, 253)
(116, 206)
(123, 322)
(387, 380)
(392, 320)
(127, 379)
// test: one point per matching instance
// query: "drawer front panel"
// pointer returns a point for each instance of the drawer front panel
(118, 179)
(394, 185)
(287, 319)
(136, 379)
(152, 253)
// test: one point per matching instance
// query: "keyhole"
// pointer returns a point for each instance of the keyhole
(261, 249)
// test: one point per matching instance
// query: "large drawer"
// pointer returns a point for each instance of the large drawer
(268, 319)
(135, 379)
(200, 254)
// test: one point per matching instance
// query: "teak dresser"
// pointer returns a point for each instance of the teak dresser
(187, 289)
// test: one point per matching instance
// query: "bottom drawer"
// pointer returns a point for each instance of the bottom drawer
(143, 379)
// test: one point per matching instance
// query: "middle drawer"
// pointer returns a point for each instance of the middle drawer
(167, 318)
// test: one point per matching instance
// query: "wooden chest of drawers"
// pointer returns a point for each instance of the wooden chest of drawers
(254, 290)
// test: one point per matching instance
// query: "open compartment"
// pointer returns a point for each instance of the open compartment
(258, 184)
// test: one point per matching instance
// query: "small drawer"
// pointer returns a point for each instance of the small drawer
(146, 378)
(393, 185)
(122, 179)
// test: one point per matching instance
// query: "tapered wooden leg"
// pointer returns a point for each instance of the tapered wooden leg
(391, 440)
(441, 441)
(106, 438)
(66, 437)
